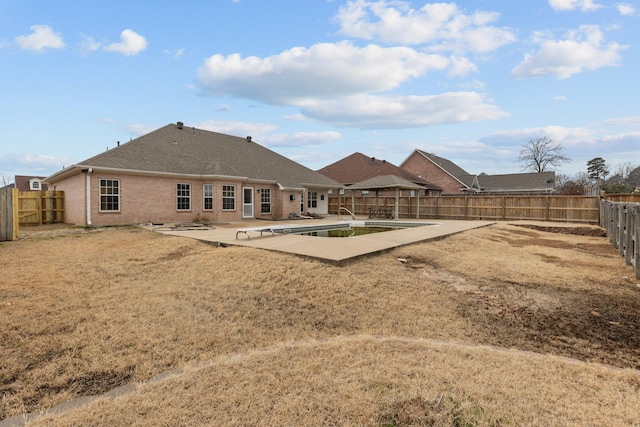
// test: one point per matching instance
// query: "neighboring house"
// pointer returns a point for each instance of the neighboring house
(441, 172)
(515, 183)
(30, 183)
(358, 168)
(455, 180)
(183, 174)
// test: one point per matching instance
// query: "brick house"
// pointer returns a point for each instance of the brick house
(183, 174)
(29, 183)
(358, 168)
(455, 180)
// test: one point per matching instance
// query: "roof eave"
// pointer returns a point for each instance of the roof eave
(75, 169)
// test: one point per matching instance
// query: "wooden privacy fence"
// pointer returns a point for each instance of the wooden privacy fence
(24, 208)
(40, 207)
(8, 221)
(622, 222)
(584, 209)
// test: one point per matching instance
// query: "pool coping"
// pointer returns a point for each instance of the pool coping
(333, 250)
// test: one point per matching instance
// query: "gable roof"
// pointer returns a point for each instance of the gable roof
(177, 150)
(357, 167)
(22, 182)
(386, 182)
(534, 182)
(445, 164)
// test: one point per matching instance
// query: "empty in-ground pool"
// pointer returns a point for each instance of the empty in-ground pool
(349, 229)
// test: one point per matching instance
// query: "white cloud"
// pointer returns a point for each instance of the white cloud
(441, 26)
(346, 84)
(633, 121)
(379, 112)
(560, 98)
(174, 55)
(31, 164)
(241, 129)
(583, 5)
(131, 43)
(139, 129)
(42, 38)
(581, 50)
(461, 66)
(300, 139)
(88, 44)
(579, 136)
(625, 9)
(324, 70)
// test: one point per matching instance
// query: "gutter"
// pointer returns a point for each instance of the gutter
(89, 172)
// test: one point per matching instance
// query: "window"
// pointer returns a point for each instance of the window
(207, 194)
(35, 185)
(265, 201)
(183, 197)
(109, 195)
(228, 197)
(312, 201)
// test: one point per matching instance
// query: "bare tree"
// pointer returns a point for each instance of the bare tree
(624, 169)
(538, 154)
(4, 180)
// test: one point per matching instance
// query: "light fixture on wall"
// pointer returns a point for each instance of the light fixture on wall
(322, 197)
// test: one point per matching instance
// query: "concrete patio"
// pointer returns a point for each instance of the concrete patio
(334, 250)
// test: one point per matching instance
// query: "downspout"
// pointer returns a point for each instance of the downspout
(88, 185)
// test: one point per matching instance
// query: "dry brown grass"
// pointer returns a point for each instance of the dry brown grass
(273, 339)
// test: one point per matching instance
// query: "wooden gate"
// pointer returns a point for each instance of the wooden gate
(40, 207)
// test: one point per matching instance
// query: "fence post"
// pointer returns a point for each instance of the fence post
(6, 216)
(621, 230)
(629, 234)
(547, 213)
(636, 231)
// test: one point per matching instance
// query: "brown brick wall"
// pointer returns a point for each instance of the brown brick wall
(146, 199)
(418, 165)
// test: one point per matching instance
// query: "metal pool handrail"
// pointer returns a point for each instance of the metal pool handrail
(341, 209)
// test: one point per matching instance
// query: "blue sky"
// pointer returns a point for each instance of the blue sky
(318, 80)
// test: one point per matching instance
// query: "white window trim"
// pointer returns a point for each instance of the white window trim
(100, 195)
(178, 197)
(235, 202)
(204, 198)
(265, 191)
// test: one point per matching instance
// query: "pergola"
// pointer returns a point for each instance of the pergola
(387, 183)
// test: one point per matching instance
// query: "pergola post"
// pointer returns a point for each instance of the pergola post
(397, 215)
(353, 202)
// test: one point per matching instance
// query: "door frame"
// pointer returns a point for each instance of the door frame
(248, 207)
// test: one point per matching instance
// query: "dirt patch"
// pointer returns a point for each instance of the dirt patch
(576, 230)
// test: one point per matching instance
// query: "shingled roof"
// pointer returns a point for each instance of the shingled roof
(180, 150)
(446, 165)
(357, 168)
(386, 182)
(516, 182)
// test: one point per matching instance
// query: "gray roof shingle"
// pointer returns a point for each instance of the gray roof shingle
(189, 151)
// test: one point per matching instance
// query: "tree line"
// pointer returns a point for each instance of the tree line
(538, 155)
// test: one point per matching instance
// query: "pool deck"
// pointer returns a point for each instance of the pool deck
(334, 250)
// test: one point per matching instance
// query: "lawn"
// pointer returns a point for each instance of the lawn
(503, 325)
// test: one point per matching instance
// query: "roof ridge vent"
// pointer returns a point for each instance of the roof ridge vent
(248, 139)
(179, 125)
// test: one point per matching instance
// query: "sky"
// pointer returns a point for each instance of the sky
(318, 80)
